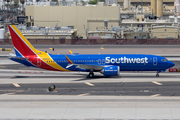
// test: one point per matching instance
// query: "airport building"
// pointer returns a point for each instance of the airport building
(35, 32)
(82, 18)
(165, 32)
(132, 21)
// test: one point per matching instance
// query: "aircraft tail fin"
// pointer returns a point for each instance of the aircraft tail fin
(21, 45)
(70, 52)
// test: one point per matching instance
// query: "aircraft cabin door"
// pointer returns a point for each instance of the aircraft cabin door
(155, 61)
(38, 62)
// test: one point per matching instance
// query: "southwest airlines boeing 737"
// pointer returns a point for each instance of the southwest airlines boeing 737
(107, 64)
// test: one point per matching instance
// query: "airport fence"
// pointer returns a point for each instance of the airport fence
(97, 41)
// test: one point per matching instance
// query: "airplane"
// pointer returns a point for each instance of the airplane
(107, 64)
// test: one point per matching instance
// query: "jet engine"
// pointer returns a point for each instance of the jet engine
(110, 71)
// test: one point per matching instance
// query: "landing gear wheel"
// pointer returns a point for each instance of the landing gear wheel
(157, 75)
(91, 74)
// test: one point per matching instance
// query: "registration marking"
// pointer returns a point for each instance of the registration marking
(155, 95)
(16, 85)
(90, 84)
(157, 83)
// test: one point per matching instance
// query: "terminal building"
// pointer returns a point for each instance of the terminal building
(132, 20)
(82, 18)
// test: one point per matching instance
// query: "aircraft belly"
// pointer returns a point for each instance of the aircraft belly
(138, 67)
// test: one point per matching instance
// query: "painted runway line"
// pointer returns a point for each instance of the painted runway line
(156, 95)
(8, 94)
(84, 94)
(90, 84)
(16, 85)
(157, 83)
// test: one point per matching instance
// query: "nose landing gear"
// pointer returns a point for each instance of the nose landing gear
(157, 75)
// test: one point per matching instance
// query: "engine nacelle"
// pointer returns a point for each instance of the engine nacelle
(110, 71)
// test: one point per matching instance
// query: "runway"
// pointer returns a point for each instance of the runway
(132, 95)
(149, 89)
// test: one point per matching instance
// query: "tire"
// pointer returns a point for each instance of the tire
(157, 75)
(91, 75)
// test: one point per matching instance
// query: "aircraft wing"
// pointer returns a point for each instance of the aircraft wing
(85, 66)
(89, 67)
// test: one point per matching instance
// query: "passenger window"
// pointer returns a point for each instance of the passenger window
(103, 61)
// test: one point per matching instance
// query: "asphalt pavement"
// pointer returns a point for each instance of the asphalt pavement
(95, 89)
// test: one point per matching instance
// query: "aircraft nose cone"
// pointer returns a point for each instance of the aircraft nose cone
(171, 64)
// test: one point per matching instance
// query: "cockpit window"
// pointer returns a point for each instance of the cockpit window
(164, 60)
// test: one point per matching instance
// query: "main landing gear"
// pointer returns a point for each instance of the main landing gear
(91, 75)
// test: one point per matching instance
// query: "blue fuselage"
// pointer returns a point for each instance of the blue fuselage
(126, 62)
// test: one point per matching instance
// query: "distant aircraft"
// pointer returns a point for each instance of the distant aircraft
(107, 64)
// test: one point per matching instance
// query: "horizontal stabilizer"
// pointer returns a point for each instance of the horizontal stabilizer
(18, 58)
